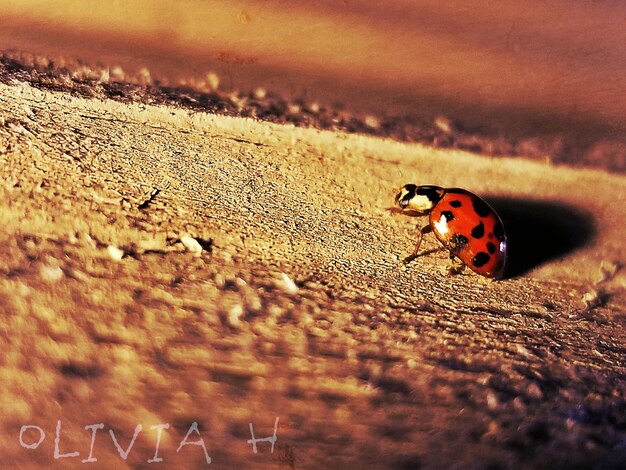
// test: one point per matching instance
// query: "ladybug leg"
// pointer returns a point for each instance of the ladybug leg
(455, 267)
(424, 230)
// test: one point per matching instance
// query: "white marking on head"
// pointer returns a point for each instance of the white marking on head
(420, 203)
(441, 225)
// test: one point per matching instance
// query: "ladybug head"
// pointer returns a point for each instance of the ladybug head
(419, 199)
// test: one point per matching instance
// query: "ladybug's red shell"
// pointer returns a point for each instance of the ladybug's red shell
(471, 230)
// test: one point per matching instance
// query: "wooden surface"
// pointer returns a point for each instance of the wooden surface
(298, 306)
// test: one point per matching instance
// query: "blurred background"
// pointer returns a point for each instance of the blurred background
(534, 68)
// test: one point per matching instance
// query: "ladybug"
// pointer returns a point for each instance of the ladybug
(463, 222)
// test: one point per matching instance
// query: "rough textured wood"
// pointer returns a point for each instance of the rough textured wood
(298, 305)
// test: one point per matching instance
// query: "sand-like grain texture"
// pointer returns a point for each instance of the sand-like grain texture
(293, 302)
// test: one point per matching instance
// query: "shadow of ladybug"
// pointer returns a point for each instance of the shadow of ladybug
(540, 231)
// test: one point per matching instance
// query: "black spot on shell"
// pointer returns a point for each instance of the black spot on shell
(456, 204)
(457, 242)
(498, 231)
(480, 259)
(480, 207)
(491, 248)
(448, 215)
(478, 231)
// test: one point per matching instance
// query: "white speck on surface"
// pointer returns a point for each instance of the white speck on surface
(51, 273)
(444, 124)
(287, 284)
(235, 314)
(115, 253)
(372, 122)
(191, 244)
(522, 351)
(492, 400)
(213, 81)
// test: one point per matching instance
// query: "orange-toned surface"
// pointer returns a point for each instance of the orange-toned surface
(545, 66)
(160, 265)
(292, 302)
